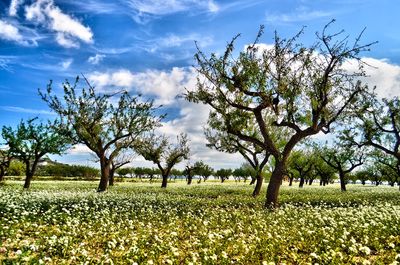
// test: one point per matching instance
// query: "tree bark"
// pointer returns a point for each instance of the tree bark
(164, 181)
(310, 181)
(321, 182)
(189, 180)
(275, 184)
(253, 180)
(291, 181)
(2, 173)
(258, 186)
(28, 179)
(105, 173)
(111, 178)
(342, 181)
(301, 184)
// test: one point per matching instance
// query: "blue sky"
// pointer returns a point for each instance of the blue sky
(147, 46)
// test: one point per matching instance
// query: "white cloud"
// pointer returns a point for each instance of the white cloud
(26, 110)
(65, 41)
(68, 29)
(79, 149)
(14, 5)
(144, 10)
(67, 63)
(96, 59)
(299, 15)
(165, 86)
(380, 73)
(10, 32)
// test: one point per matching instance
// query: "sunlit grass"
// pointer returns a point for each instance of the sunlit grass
(208, 223)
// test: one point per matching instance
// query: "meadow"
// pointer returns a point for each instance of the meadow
(68, 222)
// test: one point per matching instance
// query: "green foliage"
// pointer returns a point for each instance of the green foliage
(30, 141)
(17, 168)
(203, 170)
(303, 89)
(68, 171)
(162, 153)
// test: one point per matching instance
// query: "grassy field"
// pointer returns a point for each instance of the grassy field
(139, 223)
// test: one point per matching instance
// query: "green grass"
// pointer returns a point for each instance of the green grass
(209, 223)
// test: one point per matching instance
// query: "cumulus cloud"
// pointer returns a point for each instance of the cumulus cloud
(69, 31)
(14, 5)
(96, 59)
(10, 32)
(163, 85)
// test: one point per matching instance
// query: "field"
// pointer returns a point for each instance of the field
(139, 223)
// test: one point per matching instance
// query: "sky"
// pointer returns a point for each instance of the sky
(147, 47)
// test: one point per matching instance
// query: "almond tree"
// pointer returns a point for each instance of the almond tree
(376, 123)
(92, 119)
(305, 89)
(30, 141)
(5, 160)
(344, 160)
(162, 153)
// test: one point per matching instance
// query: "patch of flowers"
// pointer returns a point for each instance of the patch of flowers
(138, 223)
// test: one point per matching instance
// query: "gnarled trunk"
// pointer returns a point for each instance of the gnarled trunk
(111, 178)
(189, 180)
(342, 181)
(291, 181)
(28, 179)
(258, 186)
(275, 184)
(253, 180)
(164, 181)
(105, 174)
(301, 184)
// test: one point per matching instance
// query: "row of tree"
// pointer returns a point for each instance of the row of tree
(265, 104)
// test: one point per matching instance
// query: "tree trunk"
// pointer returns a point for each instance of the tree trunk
(164, 181)
(275, 184)
(189, 180)
(310, 181)
(291, 181)
(105, 173)
(111, 178)
(363, 181)
(258, 186)
(2, 173)
(28, 179)
(301, 184)
(321, 182)
(342, 182)
(253, 180)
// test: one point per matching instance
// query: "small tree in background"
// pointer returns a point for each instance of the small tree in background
(165, 155)
(31, 141)
(5, 160)
(202, 170)
(223, 174)
(105, 128)
(344, 160)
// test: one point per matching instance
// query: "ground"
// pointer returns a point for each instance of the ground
(64, 222)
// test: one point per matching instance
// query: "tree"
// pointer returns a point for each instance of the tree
(5, 160)
(304, 89)
(325, 173)
(203, 170)
(16, 168)
(219, 139)
(105, 128)
(31, 141)
(223, 174)
(189, 172)
(344, 160)
(165, 155)
(376, 124)
(303, 163)
(121, 160)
